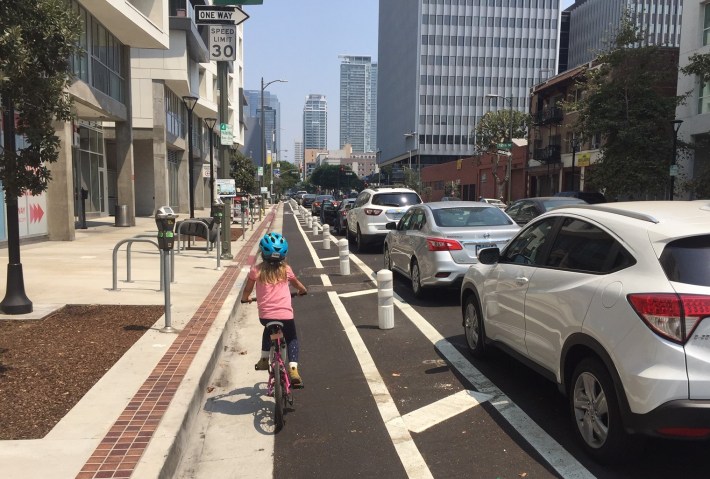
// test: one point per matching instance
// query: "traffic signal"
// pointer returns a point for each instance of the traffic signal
(342, 168)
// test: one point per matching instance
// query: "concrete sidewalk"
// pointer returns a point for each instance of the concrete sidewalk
(129, 424)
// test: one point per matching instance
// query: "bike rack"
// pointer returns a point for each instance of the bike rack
(172, 257)
(198, 222)
(130, 241)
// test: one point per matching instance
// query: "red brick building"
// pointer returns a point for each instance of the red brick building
(476, 176)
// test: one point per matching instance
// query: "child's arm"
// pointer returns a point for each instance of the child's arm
(298, 285)
(248, 288)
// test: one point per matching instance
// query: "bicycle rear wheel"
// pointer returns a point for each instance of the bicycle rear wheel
(278, 397)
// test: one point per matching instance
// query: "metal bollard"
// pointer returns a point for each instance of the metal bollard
(385, 301)
(344, 254)
(326, 236)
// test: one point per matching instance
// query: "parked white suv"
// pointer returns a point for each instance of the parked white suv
(612, 302)
(373, 209)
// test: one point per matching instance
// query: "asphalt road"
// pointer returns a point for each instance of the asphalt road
(411, 402)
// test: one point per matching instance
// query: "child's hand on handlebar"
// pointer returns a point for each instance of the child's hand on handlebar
(303, 292)
(248, 300)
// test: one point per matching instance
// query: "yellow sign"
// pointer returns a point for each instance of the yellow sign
(583, 159)
(268, 157)
(459, 163)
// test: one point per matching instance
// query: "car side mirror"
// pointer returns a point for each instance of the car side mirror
(489, 255)
(392, 225)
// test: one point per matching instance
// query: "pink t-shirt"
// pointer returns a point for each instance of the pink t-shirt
(273, 300)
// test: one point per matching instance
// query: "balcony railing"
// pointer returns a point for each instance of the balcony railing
(549, 116)
(548, 154)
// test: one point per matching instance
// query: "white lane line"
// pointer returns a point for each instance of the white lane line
(314, 255)
(330, 258)
(326, 280)
(443, 409)
(357, 293)
(553, 452)
(411, 458)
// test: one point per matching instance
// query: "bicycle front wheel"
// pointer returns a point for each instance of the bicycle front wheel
(278, 397)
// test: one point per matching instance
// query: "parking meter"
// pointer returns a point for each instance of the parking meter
(217, 212)
(165, 220)
(243, 203)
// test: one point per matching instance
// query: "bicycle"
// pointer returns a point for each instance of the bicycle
(280, 389)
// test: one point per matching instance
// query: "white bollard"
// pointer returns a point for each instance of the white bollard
(315, 227)
(385, 301)
(326, 237)
(309, 221)
(344, 254)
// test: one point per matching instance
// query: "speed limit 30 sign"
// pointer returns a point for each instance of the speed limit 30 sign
(223, 42)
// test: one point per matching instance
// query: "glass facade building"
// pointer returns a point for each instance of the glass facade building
(315, 123)
(438, 64)
(358, 103)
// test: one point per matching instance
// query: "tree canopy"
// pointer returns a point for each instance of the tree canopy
(243, 171)
(629, 101)
(494, 128)
(37, 41)
(335, 177)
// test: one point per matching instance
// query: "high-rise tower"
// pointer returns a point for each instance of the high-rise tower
(315, 122)
(439, 63)
(358, 102)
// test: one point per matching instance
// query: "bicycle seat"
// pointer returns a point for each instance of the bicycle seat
(275, 324)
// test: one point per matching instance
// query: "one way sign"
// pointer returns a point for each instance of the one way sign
(219, 15)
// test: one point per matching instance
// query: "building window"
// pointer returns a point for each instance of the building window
(704, 99)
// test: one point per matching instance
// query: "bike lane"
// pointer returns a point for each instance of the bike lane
(382, 401)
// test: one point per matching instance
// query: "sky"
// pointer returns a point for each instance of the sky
(300, 41)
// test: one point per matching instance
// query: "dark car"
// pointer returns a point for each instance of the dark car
(315, 206)
(328, 212)
(307, 200)
(523, 211)
(341, 215)
(591, 197)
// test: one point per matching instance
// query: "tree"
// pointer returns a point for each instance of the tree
(629, 104)
(494, 128)
(37, 41)
(243, 171)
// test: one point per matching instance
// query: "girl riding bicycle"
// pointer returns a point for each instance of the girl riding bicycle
(272, 278)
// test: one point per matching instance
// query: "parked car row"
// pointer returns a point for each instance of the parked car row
(610, 301)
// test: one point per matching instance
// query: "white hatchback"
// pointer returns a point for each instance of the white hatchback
(373, 209)
(612, 302)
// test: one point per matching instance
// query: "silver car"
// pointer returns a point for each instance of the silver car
(435, 243)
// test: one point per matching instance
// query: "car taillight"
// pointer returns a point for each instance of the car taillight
(672, 316)
(442, 244)
(372, 211)
(343, 213)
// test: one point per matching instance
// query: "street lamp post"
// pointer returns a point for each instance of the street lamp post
(509, 100)
(211, 122)
(676, 127)
(190, 102)
(413, 135)
(263, 135)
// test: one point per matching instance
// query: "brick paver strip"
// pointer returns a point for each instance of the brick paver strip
(120, 450)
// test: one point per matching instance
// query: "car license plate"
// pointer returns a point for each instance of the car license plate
(479, 247)
(394, 214)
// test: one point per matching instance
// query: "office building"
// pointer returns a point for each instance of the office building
(694, 113)
(315, 122)
(272, 115)
(358, 103)
(438, 62)
(593, 24)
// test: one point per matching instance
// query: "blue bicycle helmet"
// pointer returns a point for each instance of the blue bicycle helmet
(273, 247)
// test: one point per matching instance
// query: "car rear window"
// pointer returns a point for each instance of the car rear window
(687, 260)
(396, 199)
(470, 216)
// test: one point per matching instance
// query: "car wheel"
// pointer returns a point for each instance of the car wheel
(359, 242)
(415, 274)
(473, 327)
(387, 259)
(594, 408)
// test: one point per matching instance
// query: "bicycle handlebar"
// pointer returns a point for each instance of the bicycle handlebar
(253, 299)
